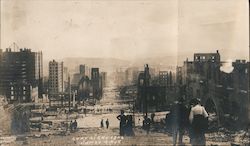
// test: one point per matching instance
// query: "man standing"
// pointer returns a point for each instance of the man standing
(102, 125)
(129, 126)
(85, 111)
(71, 126)
(198, 118)
(152, 117)
(75, 125)
(107, 123)
(146, 124)
(179, 120)
(122, 119)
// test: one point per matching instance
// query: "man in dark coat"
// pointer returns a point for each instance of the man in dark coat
(146, 124)
(107, 123)
(122, 119)
(179, 120)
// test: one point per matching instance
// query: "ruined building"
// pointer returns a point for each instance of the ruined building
(96, 83)
(150, 98)
(103, 79)
(165, 78)
(55, 83)
(131, 75)
(21, 75)
(84, 88)
(84, 70)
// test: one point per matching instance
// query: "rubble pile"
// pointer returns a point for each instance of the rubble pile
(241, 137)
(7, 139)
(5, 117)
(219, 137)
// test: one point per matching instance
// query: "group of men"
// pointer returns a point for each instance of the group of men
(73, 125)
(107, 123)
(126, 124)
(192, 118)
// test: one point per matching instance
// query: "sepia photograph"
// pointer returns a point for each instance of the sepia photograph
(124, 73)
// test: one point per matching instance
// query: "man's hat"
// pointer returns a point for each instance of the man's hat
(181, 99)
(195, 101)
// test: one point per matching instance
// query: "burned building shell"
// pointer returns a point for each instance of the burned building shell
(223, 94)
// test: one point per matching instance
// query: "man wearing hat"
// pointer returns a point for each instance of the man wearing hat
(122, 119)
(179, 120)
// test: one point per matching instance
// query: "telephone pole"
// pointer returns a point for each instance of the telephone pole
(69, 92)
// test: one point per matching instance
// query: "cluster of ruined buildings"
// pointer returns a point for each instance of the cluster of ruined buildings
(87, 84)
(157, 85)
(22, 80)
(223, 94)
(226, 94)
(129, 76)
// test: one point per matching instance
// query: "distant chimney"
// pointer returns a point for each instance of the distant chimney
(8, 49)
(217, 51)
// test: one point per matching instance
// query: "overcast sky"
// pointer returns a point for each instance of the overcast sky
(127, 29)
